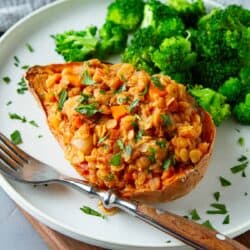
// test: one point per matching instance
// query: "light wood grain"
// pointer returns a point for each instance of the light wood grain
(57, 241)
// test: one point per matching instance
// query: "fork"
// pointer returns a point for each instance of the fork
(18, 165)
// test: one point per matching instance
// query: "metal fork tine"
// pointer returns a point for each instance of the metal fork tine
(5, 169)
(11, 154)
(11, 163)
(14, 148)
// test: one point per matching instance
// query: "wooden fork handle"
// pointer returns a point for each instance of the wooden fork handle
(191, 233)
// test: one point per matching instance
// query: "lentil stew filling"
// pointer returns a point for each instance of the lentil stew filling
(121, 128)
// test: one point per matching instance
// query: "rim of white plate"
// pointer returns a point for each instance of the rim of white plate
(43, 217)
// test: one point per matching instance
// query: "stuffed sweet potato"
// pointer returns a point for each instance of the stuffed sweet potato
(143, 136)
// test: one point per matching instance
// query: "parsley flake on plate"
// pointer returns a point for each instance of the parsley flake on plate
(217, 196)
(16, 137)
(194, 215)
(226, 220)
(14, 116)
(224, 182)
(208, 224)
(90, 211)
(29, 47)
(6, 79)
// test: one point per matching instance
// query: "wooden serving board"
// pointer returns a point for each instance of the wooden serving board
(57, 241)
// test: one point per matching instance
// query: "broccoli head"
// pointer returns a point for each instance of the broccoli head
(213, 73)
(212, 101)
(189, 11)
(77, 45)
(241, 111)
(113, 39)
(127, 13)
(169, 27)
(140, 49)
(156, 12)
(174, 55)
(231, 89)
(245, 76)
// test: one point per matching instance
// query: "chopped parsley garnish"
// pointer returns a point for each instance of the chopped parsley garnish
(239, 168)
(16, 59)
(156, 81)
(120, 144)
(167, 164)
(168, 241)
(220, 209)
(25, 67)
(122, 88)
(109, 177)
(246, 193)
(236, 129)
(84, 98)
(40, 136)
(242, 158)
(22, 86)
(226, 220)
(128, 150)
(91, 211)
(208, 224)
(243, 174)
(217, 196)
(33, 123)
(87, 80)
(123, 78)
(161, 143)
(16, 137)
(15, 116)
(241, 141)
(166, 120)
(116, 160)
(194, 215)
(88, 109)
(63, 96)
(151, 156)
(224, 182)
(104, 138)
(133, 105)
(8, 103)
(139, 135)
(6, 79)
(103, 92)
(145, 91)
(29, 47)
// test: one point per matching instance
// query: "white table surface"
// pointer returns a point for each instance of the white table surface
(15, 231)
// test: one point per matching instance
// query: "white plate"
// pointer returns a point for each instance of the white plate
(57, 206)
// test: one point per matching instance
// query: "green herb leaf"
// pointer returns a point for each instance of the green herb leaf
(156, 81)
(33, 123)
(122, 100)
(22, 86)
(139, 135)
(87, 80)
(121, 89)
(8, 103)
(40, 136)
(123, 78)
(63, 96)
(168, 241)
(246, 193)
(16, 59)
(15, 116)
(243, 174)
(208, 224)
(242, 158)
(16, 137)
(128, 150)
(84, 98)
(6, 79)
(217, 196)
(29, 47)
(239, 168)
(221, 209)
(224, 182)
(90, 211)
(133, 105)
(120, 144)
(116, 160)
(151, 156)
(226, 220)
(162, 144)
(88, 109)
(166, 120)
(145, 91)
(194, 215)
(25, 67)
(241, 141)
(109, 177)
(104, 138)
(102, 91)
(166, 164)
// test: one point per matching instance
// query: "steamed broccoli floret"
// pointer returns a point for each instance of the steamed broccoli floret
(140, 50)
(213, 102)
(241, 110)
(213, 73)
(174, 55)
(77, 45)
(127, 13)
(170, 27)
(189, 10)
(245, 76)
(113, 39)
(155, 12)
(244, 47)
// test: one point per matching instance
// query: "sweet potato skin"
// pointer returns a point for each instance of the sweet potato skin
(179, 185)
